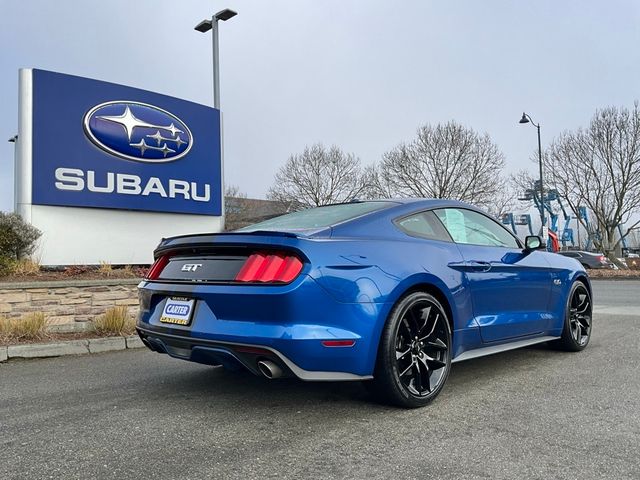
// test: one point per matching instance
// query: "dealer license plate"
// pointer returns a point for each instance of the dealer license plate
(178, 311)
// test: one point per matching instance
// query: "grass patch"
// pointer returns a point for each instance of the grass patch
(105, 269)
(115, 321)
(29, 327)
(25, 266)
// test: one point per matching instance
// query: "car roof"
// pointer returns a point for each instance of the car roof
(396, 208)
(426, 202)
(400, 207)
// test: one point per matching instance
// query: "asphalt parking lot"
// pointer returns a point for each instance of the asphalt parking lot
(532, 413)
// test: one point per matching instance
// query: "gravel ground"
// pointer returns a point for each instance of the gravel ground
(532, 413)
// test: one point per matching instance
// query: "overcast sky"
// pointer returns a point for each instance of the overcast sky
(360, 74)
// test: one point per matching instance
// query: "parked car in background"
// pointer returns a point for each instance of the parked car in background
(632, 261)
(589, 259)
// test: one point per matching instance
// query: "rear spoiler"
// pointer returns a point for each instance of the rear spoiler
(255, 232)
(203, 240)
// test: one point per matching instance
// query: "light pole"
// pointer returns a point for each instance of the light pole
(526, 119)
(204, 26)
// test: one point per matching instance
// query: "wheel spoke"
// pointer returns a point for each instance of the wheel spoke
(425, 378)
(584, 309)
(436, 364)
(404, 372)
(418, 378)
(424, 315)
(412, 323)
(433, 328)
(584, 322)
(400, 355)
(437, 344)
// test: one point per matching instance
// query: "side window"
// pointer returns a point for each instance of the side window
(423, 224)
(467, 226)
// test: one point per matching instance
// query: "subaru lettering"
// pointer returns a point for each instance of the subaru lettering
(74, 179)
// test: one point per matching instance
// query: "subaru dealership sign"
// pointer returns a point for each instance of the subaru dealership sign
(94, 153)
(96, 144)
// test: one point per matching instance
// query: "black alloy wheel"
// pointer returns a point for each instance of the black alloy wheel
(414, 357)
(578, 319)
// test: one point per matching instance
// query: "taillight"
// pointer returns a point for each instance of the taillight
(269, 268)
(157, 267)
(338, 343)
(601, 258)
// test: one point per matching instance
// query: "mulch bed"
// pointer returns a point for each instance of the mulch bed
(76, 273)
(615, 274)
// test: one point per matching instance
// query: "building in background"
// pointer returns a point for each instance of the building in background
(241, 211)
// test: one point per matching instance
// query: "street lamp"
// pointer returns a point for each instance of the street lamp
(204, 26)
(526, 119)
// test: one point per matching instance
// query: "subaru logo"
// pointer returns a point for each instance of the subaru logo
(138, 131)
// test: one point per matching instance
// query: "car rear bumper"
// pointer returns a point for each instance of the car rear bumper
(241, 325)
(213, 352)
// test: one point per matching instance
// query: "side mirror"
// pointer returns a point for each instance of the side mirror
(532, 242)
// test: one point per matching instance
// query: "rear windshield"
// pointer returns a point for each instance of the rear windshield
(319, 217)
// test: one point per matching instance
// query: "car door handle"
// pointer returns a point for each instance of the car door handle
(478, 266)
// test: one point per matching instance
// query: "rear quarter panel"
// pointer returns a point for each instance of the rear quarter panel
(381, 270)
(565, 271)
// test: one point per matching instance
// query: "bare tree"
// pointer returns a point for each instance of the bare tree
(444, 161)
(523, 184)
(318, 176)
(598, 167)
(504, 201)
(235, 207)
(634, 239)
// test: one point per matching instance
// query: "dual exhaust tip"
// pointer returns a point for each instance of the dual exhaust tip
(269, 369)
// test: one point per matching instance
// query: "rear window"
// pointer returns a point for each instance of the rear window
(319, 217)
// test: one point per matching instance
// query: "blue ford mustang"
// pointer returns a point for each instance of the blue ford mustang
(390, 291)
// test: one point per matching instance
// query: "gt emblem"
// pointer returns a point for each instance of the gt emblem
(190, 267)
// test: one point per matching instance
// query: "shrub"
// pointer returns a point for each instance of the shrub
(17, 238)
(30, 327)
(4, 328)
(115, 321)
(105, 268)
(25, 266)
(6, 265)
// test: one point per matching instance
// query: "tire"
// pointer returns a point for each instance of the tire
(414, 356)
(578, 319)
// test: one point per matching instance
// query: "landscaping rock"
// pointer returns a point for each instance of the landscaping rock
(107, 344)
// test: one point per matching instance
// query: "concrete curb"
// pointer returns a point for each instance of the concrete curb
(108, 344)
(69, 347)
(134, 342)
